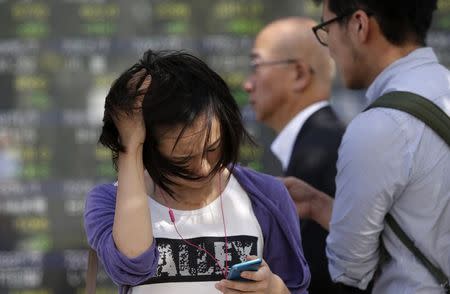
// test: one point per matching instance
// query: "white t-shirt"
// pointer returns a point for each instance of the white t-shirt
(185, 269)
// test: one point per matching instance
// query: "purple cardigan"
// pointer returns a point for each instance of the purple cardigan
(272, 205)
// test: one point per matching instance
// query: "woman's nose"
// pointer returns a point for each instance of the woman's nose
(247, 85)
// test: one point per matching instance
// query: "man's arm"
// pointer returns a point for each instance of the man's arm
(373, 169)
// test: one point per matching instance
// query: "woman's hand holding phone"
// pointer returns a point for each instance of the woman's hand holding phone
(262, 281)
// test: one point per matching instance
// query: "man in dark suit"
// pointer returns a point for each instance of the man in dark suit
(289, 88)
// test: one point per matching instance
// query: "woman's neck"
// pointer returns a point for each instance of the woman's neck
(191, 198)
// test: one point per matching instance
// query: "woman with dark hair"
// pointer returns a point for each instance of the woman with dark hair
(182, 211)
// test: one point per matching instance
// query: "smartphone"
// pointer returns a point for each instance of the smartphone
(237, 269)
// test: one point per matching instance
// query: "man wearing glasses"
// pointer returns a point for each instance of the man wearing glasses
(389, 161)
(289, 86)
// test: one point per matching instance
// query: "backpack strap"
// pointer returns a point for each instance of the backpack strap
(419, 107)
(91, 274)
(436, 119)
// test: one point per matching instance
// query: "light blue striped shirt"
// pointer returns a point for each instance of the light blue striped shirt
(391, 162)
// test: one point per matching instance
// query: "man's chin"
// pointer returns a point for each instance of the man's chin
(354, 85)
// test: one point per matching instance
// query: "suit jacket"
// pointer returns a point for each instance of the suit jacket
(313, 160)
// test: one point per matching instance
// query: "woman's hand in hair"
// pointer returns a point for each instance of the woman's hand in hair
(131, 125)
(263, 282)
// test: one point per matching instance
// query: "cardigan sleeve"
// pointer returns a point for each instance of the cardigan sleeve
(98, 223)
(277, 216)
(284, 247)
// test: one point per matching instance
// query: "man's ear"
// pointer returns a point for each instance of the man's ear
(303, 75)
(360, 26)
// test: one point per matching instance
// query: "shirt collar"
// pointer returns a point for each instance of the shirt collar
(414, 59)
(284, 143)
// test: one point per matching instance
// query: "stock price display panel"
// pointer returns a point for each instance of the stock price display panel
(57, 61)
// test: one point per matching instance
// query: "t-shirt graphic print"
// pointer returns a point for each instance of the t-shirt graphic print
(180, 262)
(182, 268)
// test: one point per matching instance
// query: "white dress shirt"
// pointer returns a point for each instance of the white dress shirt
(284, 143)
(390, 161)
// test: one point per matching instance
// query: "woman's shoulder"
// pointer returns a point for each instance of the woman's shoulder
(101, 194)
(99, 211)
(105, 188)
(257, 177)
(260, 183)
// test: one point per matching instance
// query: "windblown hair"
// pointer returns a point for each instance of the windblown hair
(177, 88)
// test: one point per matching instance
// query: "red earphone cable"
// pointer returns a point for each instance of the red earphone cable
(224, 229)
(172, 219)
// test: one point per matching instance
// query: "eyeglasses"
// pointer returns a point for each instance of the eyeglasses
(254, 65)
(321, 30)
